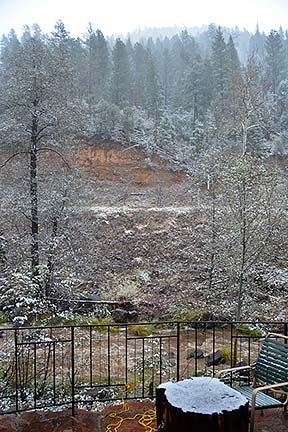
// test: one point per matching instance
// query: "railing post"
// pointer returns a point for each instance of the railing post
(35, 374)
(178, 352)
(16, 370)
(286, 329)
(73, 371)
(91, 355)
(108, 355)
(160, 359)
(126, 360)
(231, 345)
(143, 367)
(213, 348)
(196, 346)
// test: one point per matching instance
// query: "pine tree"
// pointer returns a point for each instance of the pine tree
(61, 59)
(248, 112)
(257, 46)
(166, 74)
(121, 75)
(234, 80)
(153, 97)
(166, 133)
(80, 70)
(233, 62)
(285, 44)
(282, 105)
(219, 73)
(274, 61)
(193, 89)
(139, 66)
(34, 105)
(185, 55)
(99, 67)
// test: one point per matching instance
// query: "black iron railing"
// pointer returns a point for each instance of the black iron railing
(47, 367)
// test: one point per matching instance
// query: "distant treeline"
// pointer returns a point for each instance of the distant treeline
(177, 95)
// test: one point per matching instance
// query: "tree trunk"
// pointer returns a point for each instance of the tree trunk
(50, 262)
(173, 419)
(34, 199)
(213, 245)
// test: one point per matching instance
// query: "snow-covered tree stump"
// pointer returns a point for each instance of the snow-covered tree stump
(200, 404)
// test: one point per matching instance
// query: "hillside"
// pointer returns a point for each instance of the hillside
(139, 230)
(145, 237)
(106, 160)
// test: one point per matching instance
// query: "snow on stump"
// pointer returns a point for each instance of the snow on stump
(200, 404)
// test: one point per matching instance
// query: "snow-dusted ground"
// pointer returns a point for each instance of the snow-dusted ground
(203, 395)
(127, 209)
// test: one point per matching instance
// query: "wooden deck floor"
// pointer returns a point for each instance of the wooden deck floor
(272, 420)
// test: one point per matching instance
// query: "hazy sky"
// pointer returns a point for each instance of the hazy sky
(121, 16)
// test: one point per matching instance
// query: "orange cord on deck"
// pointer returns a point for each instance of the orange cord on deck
(145, 419)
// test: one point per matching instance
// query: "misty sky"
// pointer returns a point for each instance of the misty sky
(121, 16)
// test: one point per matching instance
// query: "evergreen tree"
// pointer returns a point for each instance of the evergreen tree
(139, 66)
(34, 105)
(61, 60)
(166, 74)
(285, 44)
(105, 118)
(121, 75)
(282, 105)
(10, 47)
(248, 112)
(193, 89)
(275, 65)
(185, 56)
(153, 97)
(98, 66)
(233, 62)
(79, 59)
(166, 133)
(219, 73)
(257, 46)
(234, 80)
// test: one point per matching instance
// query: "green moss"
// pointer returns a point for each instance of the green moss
(3, 318)
(142, 330)
(70, 319)
(188, 314)
(226, 352)
(249, 330)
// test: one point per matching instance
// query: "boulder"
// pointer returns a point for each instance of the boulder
(197, 353)
(215, 358)
(124, 316)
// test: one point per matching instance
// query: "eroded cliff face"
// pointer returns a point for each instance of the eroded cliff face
(110, 161)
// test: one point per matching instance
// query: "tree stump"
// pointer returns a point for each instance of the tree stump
(200, 404)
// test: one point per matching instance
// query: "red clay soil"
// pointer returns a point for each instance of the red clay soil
(120, 418)
(106, 160)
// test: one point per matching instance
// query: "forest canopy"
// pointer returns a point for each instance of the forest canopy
(177, 95)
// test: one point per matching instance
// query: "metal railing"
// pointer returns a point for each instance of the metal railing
(80, 366)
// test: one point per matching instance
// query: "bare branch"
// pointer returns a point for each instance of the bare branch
(43, 128)
(58, 153)
(39, 138)
(24, 214)
(129, 148)
(12, 157)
